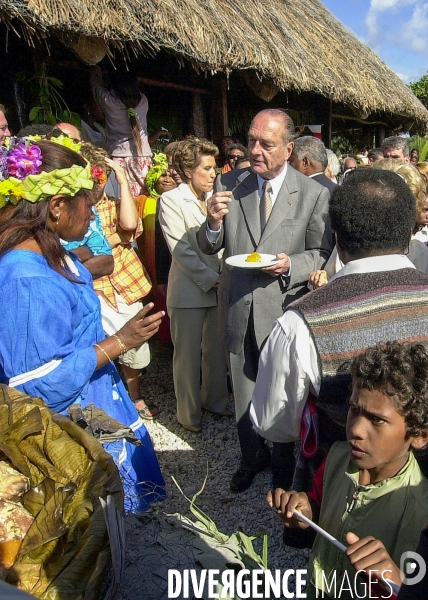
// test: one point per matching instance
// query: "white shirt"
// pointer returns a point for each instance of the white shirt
(422, 235)
(276, 184)
(288, 365)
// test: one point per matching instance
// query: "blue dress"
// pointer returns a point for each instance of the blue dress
(48, 327)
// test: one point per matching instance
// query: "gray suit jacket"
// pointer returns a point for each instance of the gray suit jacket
(298, 226)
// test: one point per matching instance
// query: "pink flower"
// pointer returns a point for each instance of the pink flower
(24, 160)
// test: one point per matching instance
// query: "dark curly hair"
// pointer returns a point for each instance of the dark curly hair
(400, 371)
(372, 210)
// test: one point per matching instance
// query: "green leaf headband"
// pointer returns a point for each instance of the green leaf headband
(35, 188)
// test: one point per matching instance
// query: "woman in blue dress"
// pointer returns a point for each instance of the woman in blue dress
(52, 343)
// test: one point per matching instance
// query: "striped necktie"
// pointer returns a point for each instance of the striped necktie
(265, 204)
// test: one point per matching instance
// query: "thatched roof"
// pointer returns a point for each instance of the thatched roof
(297, 44)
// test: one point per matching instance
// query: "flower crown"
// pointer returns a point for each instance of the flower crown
(66, 141)
(98, 175)
(160, 165)
(20, 176)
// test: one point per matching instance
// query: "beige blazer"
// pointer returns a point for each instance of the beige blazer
(192, 274)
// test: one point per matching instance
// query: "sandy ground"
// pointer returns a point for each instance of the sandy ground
(190, 458)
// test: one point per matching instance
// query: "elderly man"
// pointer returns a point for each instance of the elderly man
(70, 130)
(349, 164)
(309, 156)
(271, 209)
(4, 127)
(397, 148)
(377, 296)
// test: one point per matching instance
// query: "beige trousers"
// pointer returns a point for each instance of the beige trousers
(194, 333)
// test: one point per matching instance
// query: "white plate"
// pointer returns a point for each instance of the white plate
(240, 260)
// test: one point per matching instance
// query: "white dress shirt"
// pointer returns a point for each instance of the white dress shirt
(276, 184)
(288, 365)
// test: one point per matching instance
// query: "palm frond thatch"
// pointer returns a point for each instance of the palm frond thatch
(298, 45)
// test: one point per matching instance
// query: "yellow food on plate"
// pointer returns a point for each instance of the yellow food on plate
(253, 257)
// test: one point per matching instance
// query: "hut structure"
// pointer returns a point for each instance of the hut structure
(228, 59)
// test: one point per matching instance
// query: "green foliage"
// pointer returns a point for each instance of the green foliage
(349, 142)
(214, 549)
(50, 106)
(420, 89)
(421, 144)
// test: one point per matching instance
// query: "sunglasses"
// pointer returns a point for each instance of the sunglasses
(234, 156)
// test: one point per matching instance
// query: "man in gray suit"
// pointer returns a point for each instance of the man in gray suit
(270, 209)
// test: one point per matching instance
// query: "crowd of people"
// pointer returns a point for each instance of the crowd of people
(325, 341)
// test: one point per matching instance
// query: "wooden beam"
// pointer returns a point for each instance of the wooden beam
(173, 86)
(357, 120)
(78, 66)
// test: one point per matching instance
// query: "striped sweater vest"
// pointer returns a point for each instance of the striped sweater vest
(355, 312)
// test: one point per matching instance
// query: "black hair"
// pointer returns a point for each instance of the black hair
(236, 146)
(372, 210)
(125, 87)
(42, 129)
(26, 220)
(375, 154)
(399, 371)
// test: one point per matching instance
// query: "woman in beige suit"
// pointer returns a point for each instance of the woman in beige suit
(192, 289)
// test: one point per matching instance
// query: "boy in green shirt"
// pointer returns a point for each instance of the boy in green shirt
(372, 495)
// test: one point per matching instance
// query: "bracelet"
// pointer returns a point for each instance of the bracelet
(103, 351)
(121, 344)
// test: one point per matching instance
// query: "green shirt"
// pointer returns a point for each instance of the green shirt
(394, 511)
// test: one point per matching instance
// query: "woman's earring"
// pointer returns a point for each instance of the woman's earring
(57, 220)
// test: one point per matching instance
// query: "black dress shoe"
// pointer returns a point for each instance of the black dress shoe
(243, 478)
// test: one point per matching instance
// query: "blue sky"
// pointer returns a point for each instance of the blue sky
(397, 30)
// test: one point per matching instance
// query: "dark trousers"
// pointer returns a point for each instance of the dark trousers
(254, 450)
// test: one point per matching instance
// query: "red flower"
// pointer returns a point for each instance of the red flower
(98, 175)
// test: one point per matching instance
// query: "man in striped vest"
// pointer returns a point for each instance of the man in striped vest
(378, 296)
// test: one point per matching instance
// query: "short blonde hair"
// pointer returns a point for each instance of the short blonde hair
(96, 156)
(422, 167)
(411, 176)
(187, 155)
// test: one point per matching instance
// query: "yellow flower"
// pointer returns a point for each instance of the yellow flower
(11, 190)
(67, 142)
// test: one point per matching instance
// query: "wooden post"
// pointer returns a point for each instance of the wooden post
(199, 118)
(326, 130)
(219, 119)
(380, 135)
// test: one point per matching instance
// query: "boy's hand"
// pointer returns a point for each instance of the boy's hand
(286, 502)
(369, 554)
(317, 279)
